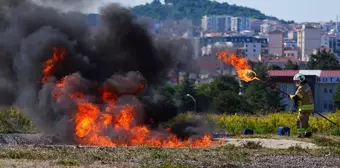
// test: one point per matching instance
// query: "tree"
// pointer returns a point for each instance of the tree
(228, 102)
(195, 9)
(224, 83)
(336, 97)
(187, 87)
(323, 60)
(260, 97)
(291, 66)
(225, 95)
(167, 91)
(203, 97)
(274, 67)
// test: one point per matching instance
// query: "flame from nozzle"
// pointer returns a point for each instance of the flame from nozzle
(241, 65)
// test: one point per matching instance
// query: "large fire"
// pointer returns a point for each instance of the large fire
(94, 122)
(49, 65)
(241, 65)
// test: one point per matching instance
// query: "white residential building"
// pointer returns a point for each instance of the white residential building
(216, 23)
(266, 28)
(275, 43)
(309, 38)
(292, 35)
(327, 26)
(291, 52)
(252, 50)
(239, 24)
(247, 33)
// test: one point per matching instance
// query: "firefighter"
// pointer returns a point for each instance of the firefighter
(305, 102)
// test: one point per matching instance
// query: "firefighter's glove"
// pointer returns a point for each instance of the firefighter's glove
(291, 96)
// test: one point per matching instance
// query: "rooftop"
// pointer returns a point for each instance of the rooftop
(275, 32)
(291, 73)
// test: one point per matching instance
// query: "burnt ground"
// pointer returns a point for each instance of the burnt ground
(28, 139)
(37, 150)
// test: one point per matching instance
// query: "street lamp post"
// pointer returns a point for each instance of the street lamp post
(193, 100)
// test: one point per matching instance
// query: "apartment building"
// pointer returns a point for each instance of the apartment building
(266, 28)
(292, 35)
(255, 25)
(275, 43)
(289, 43)
(240, 23)
(291, 52)
(216, 23)
(309, 38)
(252, 50)
(332, 42)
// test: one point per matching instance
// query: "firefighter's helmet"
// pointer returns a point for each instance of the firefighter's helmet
(299, 77)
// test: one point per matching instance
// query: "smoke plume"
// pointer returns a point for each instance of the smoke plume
(120, 57)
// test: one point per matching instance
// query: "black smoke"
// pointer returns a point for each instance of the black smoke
(121, 55)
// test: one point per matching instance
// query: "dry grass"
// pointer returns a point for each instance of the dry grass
(222, 156)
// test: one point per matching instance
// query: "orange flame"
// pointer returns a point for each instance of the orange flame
(241, 65)
(92, 121)
(49, 65)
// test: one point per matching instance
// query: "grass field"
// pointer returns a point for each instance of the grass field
(12, 121)
(267, 124)
(219, 156)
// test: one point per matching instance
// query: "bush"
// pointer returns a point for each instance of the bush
(13, 121)
(261, 124)
(267, 124)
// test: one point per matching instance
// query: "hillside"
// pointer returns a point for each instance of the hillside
(195, 9)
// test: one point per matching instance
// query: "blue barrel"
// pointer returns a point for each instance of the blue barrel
(283, 131)
(248, 132)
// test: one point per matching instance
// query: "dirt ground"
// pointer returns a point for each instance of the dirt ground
(272, 143)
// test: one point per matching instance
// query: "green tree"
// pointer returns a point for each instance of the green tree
(336, 97)
(203, 97)
(187, 87)
(291, 66)
(167, 91)
(195, 9)
(224, 83)
(259, 96)
(225, 95)
(228, 102)
(323, 60)
(274, 67)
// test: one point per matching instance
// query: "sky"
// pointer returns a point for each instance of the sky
(297, 10)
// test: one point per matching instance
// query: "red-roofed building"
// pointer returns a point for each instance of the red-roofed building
(322, 82)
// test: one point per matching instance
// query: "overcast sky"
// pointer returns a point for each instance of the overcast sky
(297, 10)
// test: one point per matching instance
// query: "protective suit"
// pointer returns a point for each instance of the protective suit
(305, 101)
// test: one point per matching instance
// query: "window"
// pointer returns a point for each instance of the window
(246, 45)
(330, 106)
(254, 46)
(330, 91)
(325, 90)
(254, 50)
(325, 106)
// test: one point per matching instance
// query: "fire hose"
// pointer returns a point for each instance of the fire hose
(273, 87)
